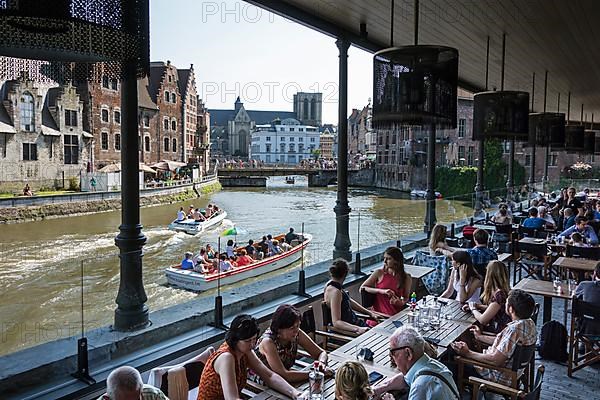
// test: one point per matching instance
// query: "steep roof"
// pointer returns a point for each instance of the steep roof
(6, 125)
(183, 77)
(157, 71)
(144, 97)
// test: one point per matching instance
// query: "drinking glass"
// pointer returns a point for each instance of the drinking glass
(556, 284)
(434, 315)
(572, 286)
(424, 318)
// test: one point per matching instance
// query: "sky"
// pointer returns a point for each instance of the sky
(239, 49)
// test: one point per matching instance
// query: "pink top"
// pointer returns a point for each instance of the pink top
(382, 303)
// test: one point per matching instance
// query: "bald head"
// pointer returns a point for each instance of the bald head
(124, 383)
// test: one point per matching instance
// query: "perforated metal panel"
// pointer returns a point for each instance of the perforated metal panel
(574, 138)
(69, 36)
(501, 115)
(547, 129)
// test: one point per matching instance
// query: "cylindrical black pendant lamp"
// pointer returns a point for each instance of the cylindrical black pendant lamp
(415, 85)
(501, 115)
(547, 129)
(575, 136)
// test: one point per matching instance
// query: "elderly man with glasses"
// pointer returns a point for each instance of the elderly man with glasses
(424, 377)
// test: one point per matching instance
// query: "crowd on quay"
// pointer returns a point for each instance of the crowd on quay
(209, 260)
(321, 163)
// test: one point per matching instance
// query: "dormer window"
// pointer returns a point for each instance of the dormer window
(26, 111)
(105, 83)
(70, 118)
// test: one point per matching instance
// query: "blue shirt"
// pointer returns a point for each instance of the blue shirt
(187, 264)
(588, 233)
(570, 222)
(427, 386)
(534, 222)
(482, 255)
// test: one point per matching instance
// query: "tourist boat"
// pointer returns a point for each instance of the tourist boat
(423, 193)
(198, 282)
(192, 227)
(289, 180)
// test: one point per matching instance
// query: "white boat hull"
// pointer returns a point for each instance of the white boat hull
(197, 282)
(192, 227)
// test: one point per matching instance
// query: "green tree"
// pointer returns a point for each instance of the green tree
(316, 153)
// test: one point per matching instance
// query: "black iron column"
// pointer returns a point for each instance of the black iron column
(479, 186)
(341, 209)
(430, 218)
(532, 165)
(132, 312)
(547, 156)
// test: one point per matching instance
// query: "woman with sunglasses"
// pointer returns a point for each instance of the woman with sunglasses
(225, 373)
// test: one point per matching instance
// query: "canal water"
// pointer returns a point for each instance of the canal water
(41, 262)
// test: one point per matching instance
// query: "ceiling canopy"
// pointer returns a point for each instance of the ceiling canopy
(560, 36)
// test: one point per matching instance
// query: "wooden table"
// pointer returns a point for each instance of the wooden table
(533, 241)
(576, 264)
(417, 271)
(504, 257)
(546, 289)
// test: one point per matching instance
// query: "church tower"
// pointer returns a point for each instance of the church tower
(308, 108)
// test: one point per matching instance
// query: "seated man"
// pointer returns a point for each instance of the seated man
(188, 262)
(191, 210)
(589, 291)
(250, 249)
(125, 383)
(425, 377)
(198, 217)
(27, 190)
(534, 221)
(520, 306)
(543, 214)
(569, 218)
(290, 236)
(582, 227)
(481, 254)
(224, 264)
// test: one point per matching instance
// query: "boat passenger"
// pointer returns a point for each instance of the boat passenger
(187, 262)
(198, 217)
(233, 260)
(208, 212)
(341, 305)
(270, 248)
(244, 258)
(225, 373)
(181, 214)
(229, 248)
(290, 236)
(276, 248)
(210, 253)
(216, 209)
(250, 250)
(264, 246)
(464, 279)
(390, 284)
(437, 242)
(277, 348)
(190, 213)
(225, 264)
(285, 247)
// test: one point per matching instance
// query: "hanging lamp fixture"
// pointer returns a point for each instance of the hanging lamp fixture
(414, 85)
(589, 138)
(63, 32)
(574, 133)
(501, 114)
(546, 128)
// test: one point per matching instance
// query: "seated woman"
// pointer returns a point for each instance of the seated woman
(341, 305)
(276, 247)
(352, 383)
(464, 280)
(491, 314)
(224, 263)
(390, 284)
(210, 253)
(225, 373)
(244, 258)
(278, 346)
(502, 217)
(437, 242)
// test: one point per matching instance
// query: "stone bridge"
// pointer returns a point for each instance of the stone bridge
(316, 177)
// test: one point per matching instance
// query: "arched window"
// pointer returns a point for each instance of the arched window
(174, 147)
(166, 144)
(166, 97)
(174, 125)
(292, 147)
(313, 109)
(146, 121)
(166, 124)
(104, 114)
(173, 98)
(27, 113)
(104, 140)
(117, 141)
(147, 143)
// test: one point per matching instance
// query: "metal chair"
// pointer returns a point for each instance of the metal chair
(585, 317)
(522, 359)
(335, 336)
(536, 312)
(591, 253)
(309, 326)
(530, 258)
(367, 299)
(480, 386)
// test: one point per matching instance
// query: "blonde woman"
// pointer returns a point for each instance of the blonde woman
(437, 242)
(491, 314)
(352, 383)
